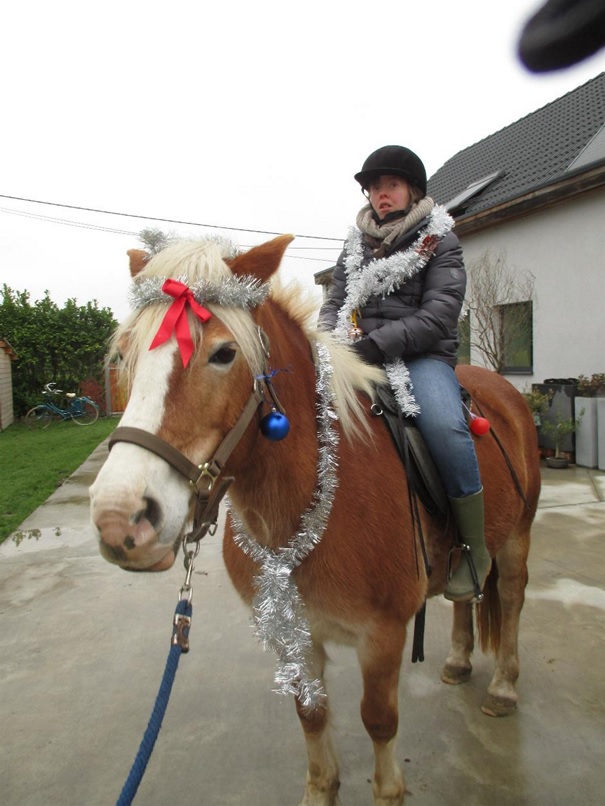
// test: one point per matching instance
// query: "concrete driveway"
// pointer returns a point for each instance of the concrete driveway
(84, 645)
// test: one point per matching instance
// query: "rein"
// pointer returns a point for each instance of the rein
(509, 464)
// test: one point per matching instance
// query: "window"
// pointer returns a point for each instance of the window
(464, 338)
(474, 189)
(516, 337)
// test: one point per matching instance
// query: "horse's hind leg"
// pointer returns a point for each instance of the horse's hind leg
(380, 660)
(458, 665)
(501, 697)
(322, 782)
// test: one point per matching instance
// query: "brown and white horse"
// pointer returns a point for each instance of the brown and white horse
(363, 581)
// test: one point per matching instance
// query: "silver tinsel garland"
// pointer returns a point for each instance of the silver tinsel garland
(401, 384)
(382, 275)
(279, 611)
(240, 292)
(379, 278)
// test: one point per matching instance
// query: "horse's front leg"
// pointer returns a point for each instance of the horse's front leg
(380, 659)
(322, 774)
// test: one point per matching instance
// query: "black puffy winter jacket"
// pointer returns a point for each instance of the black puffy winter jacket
(420, 317)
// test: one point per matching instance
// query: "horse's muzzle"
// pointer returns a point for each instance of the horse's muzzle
(131, 540)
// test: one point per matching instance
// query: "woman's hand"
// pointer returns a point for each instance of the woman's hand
(367, 349)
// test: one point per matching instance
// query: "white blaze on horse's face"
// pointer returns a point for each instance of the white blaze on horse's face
(134, 530)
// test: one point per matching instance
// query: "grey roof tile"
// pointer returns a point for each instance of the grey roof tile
(532, 152)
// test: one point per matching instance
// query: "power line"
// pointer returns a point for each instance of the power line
(67, 223)
(165, 220)
(112, 230)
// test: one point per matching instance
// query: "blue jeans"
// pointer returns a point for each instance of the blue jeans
(443, 425)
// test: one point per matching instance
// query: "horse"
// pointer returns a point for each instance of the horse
(227, 372)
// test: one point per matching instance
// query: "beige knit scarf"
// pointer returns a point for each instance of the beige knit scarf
(382, 236)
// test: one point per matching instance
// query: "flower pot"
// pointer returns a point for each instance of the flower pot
(557, 462)
(586, 432)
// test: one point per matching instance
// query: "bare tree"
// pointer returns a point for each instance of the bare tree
(496, 317)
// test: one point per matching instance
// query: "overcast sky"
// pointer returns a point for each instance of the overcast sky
(251, 115)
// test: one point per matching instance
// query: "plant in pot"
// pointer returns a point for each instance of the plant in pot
(538, 403)
(593, 386)
(556, 430)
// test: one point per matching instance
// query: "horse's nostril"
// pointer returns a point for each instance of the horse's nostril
(138, 515)
(152, 512)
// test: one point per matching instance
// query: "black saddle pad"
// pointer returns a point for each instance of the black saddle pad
(417, 461)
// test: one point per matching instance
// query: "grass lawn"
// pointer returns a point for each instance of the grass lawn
(35, 463)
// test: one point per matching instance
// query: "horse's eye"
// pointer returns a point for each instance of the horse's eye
(224, 355)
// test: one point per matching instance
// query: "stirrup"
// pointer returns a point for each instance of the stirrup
(468, 556)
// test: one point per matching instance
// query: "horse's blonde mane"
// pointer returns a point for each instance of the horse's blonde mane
(349, 375)
(295, 301)
(189, 261)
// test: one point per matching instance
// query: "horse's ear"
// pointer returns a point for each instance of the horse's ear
(261, 261)
(138, 260)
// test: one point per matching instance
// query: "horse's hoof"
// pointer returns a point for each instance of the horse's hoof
(321, 797)
(499, 706)
(454, 675)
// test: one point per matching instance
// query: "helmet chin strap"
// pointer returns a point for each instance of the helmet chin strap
(394, 215)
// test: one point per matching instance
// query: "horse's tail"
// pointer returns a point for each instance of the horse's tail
(489, 613)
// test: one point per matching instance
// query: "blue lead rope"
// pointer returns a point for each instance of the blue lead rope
(179, 644)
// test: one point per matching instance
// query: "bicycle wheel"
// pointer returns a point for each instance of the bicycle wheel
(39, 417)
(84, 411)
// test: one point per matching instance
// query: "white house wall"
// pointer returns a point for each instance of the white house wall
(564, 248)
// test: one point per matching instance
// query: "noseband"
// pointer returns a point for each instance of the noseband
(209, 489)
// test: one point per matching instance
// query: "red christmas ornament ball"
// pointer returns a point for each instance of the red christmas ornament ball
(479, 426)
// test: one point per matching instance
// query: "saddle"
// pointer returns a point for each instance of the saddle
(424, 482)
(420, 468)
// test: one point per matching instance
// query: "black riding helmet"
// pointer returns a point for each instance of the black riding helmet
(395, 161)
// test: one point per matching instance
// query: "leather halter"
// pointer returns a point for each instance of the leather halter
(209, 488)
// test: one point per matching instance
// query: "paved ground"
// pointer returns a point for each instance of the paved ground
(83, 648)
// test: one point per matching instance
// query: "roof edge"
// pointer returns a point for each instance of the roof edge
(537, 198)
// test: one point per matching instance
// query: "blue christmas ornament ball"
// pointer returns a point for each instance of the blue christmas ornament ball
(275, 426)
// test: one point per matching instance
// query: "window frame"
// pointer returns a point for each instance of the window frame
(508, 367)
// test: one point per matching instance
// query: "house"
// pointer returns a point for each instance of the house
(7, 356)
(531, 198)
(532, 195)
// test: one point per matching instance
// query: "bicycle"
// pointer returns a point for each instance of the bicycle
(82, 410)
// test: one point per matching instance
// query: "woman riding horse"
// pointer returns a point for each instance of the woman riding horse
(397, 291)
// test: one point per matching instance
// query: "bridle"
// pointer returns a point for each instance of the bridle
(206, 480)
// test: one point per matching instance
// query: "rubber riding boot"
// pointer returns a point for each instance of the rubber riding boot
(469, 517)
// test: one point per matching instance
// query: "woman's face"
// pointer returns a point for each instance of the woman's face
(388, 194)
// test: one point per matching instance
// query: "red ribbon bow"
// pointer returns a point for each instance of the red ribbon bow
(176, 318)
